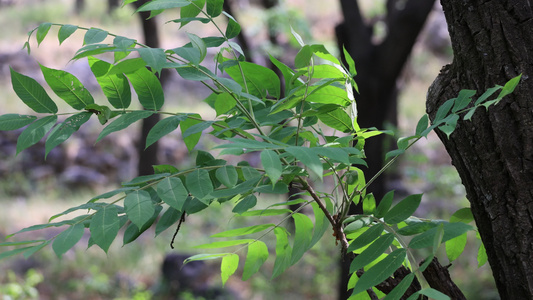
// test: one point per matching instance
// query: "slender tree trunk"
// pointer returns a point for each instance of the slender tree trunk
(379, 65)
(148, 156)
(492, 42)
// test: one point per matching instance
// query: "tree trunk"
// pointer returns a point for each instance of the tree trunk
(379, 65)
(492, 42)
(148, 156)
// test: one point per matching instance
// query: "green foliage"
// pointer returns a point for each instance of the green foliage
(251, 116)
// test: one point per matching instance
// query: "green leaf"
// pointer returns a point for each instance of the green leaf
(115, 86)
(327, 94)
(321, 221)
(224, 244)
(462, 215)
(303, 57)
(509, 86)
(163, 4)
(394, 153)
(64, 130)
(139, 207)
(417, 227)
(229, 265)
(482, 257)
(227, 175)
(192, 10)
(400, 289)
(172, 191)
(245, 204)
(144, 179)
(371, 253)
(443, 110)
(431, 293)
(271, 164)
(422, 125)
(233, 29)
(369, 204)
(384, 205)
(148, 88)
(67, 239)
(486, 95)
(199, 183)
(169, 218)
(67, 87)
(13, 252)
(456, 246)
(66, 31)
(223, 103)
(463, 99)
(35, 132)
(403, 210)
(198, 44)
(380, 271)
(104, 227)
(162, 128)
(302, 237)
(283, 252)
(155, 58)
(307, 157)
(366, 237)
(261, 81)
(191, 140)
(350, 61)
(255, 258)
(32, 93)
(15, 121)
(94, 36)
(214, 7)
(123, 122)
(243, 231)
(42, 31)
(132, 232)
(337, 119)
(451, 230)
(93, 49)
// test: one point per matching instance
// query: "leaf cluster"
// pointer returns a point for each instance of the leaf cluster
(303, 127)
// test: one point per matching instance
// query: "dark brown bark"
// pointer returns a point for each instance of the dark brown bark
(378, 67)
(438, 277)
(492, 42)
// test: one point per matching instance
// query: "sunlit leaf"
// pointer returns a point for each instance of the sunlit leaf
(255, 258)
(243, 231)
(229, 265)
(302, 239)
(283, 252)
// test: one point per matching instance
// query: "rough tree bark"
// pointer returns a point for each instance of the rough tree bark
(379, 65)
(492, 42)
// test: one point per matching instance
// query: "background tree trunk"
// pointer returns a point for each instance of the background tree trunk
(493, 42)
(379, 65)
(148, 156)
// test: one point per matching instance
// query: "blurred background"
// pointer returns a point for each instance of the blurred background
(32, 189)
